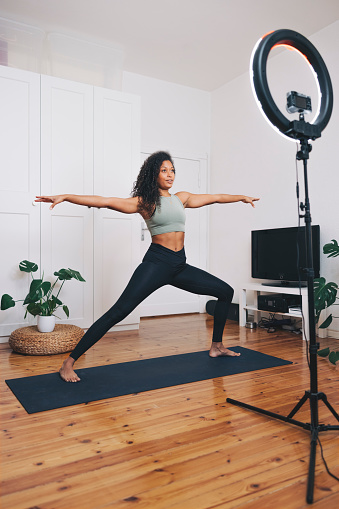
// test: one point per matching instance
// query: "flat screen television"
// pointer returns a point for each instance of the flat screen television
(275, 254)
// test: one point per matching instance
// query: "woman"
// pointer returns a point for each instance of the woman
(165, 260)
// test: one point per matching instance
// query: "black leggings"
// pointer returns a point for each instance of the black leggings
(161, 266)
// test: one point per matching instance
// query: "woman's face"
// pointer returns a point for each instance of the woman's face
(166, 175)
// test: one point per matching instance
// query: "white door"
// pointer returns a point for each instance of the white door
(19, 184)
(116, 158)
(67, 167)
(190, 176)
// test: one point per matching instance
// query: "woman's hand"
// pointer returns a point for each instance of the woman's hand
(54, 200)
(248, 199)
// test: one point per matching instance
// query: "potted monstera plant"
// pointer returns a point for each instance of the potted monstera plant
(42, 299)
(325, 295)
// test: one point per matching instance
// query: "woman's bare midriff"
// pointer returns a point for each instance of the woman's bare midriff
(174, 240)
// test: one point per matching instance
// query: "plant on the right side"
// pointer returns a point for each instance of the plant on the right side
(325, 295)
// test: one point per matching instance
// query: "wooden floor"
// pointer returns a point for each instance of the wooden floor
(182, 447)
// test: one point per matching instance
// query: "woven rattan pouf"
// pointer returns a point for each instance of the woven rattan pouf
(30, 341)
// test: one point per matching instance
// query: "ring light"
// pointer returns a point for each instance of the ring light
(291, 130)
(302, 131)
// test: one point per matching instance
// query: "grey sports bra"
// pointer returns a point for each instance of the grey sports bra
(169, 217)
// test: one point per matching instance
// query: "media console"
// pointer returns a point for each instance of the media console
(258, 289)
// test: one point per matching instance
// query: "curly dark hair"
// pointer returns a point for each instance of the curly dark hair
(146, 186)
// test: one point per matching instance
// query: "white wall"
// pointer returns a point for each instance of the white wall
(173, 117)
(248, 157)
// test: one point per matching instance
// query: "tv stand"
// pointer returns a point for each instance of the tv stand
(257, 288)
(286, 284)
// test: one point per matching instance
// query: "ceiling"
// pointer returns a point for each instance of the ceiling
(197, 43)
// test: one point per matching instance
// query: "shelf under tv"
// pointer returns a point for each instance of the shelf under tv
(257, 289)
(253, 308)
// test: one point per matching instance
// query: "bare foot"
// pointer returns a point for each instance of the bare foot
(66, 371)
(218, 350)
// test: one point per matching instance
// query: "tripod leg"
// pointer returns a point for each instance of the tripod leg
(311, 467)
(299, 405)
(323, 397)
(270, 414)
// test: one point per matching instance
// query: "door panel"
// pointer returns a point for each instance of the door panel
(19, 184)
(61, 112)
(116, 150)
(67, 167)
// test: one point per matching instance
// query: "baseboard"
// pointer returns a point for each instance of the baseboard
(129, 326)
(332, 333)
(116, 328)
(167, 309)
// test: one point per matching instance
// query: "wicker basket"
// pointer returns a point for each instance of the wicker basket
(30, 341)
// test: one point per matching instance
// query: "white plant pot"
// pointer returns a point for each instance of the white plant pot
(46, 323)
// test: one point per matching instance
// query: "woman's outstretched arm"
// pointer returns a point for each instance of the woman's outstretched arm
(125, 205)
(200, 200)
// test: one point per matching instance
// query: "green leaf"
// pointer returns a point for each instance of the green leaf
(324, 353)
(76, 275)
(324, 293)
(34, 309)
(63, 274)
(331, 250)
(67, 274)
(326, 323)
(56, 300)
(65, 308)
(35, 285)
(333, 357)
(51, 306)
(45, 287)
(318, 284)
(7, 302)
(26, 266)
(35, 292)
(45, 308)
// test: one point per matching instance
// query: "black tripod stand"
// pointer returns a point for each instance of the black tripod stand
(312, 395)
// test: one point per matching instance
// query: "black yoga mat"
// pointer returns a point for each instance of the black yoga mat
(47, 392)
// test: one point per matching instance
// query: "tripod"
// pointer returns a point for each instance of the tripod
(312, 395)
